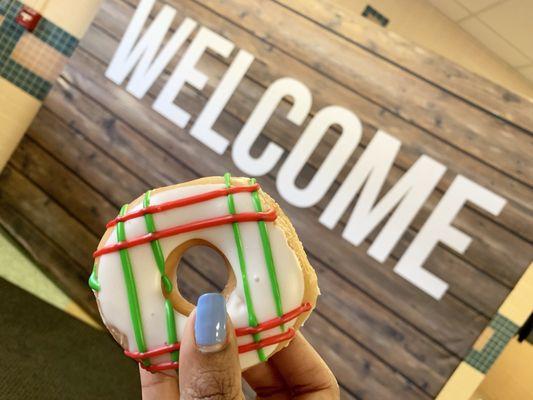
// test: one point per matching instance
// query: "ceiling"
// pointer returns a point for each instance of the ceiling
(503, 26)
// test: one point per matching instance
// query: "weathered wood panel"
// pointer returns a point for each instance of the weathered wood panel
(489, 294)
(94, 147)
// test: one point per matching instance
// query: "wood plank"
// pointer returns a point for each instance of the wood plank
(387, 335)
(74, 150)
(37, 165)
(28, 199)
(338, 17)
(383, 377)
(461, 324)
(420, 103)
(504, 266)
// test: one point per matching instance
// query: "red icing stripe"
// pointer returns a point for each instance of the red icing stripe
(192, 226)
(239, 332)
(242, 349)
(186, 201)
(272, 323)
(267, 341)
(153, 353)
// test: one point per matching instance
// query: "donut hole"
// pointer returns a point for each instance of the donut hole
(196, 267)
(201, 270)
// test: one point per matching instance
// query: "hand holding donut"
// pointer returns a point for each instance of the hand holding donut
(252, 326)
(210, 366)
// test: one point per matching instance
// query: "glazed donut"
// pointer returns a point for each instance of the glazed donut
(271, 289)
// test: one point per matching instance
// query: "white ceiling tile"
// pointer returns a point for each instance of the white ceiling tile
(477, 5)
(513, 20)
(494, 42)
(451, 9)
(527, 72)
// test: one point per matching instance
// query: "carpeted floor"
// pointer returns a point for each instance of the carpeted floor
(47, 354)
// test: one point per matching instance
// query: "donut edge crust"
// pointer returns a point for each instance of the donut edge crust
(311, 290)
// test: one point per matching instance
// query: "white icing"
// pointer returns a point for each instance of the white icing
(113, 299)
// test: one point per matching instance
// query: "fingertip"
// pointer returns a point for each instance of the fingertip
(210, 324)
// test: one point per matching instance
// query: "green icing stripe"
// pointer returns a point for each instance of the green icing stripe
(93, 280)
(267, 249)
(160, 261)
(156, 246)
(131, 288)
(171, 329)
(252, 319)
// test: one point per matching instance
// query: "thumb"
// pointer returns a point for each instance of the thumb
(209, 360)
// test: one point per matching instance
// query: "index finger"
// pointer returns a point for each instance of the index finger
(303, 371)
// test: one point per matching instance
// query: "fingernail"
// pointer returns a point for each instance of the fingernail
(210, 324)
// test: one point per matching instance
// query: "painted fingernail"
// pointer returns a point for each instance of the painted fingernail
(210, 324)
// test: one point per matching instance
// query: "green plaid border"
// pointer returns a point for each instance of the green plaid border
(56, 37)
(25, 79)
(10, 34)
(504, 330)
(4, 5)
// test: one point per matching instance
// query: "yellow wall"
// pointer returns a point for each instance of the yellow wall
(419, 21)
(510, 376)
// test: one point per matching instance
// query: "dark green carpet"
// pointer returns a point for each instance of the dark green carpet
(47, 354)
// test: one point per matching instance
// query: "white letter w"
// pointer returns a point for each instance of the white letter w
(145, 49)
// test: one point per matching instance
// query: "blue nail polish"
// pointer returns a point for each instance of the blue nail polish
(210, 324)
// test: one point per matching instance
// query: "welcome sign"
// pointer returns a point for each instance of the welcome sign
(408, 179)
(145, 58)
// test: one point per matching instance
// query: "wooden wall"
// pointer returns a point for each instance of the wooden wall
(94, 147)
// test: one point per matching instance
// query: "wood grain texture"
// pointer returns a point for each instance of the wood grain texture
(274, 64)
(471, 274)
(380, 82)
(94, 147)
(338, 17)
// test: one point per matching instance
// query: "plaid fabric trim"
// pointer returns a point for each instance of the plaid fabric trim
(56, 37)
(38, 57)
(48, 33)
(4, 5)
(25, 79)
(10, 33)
(504, 330)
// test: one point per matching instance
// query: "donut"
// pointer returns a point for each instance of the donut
(271, 289)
